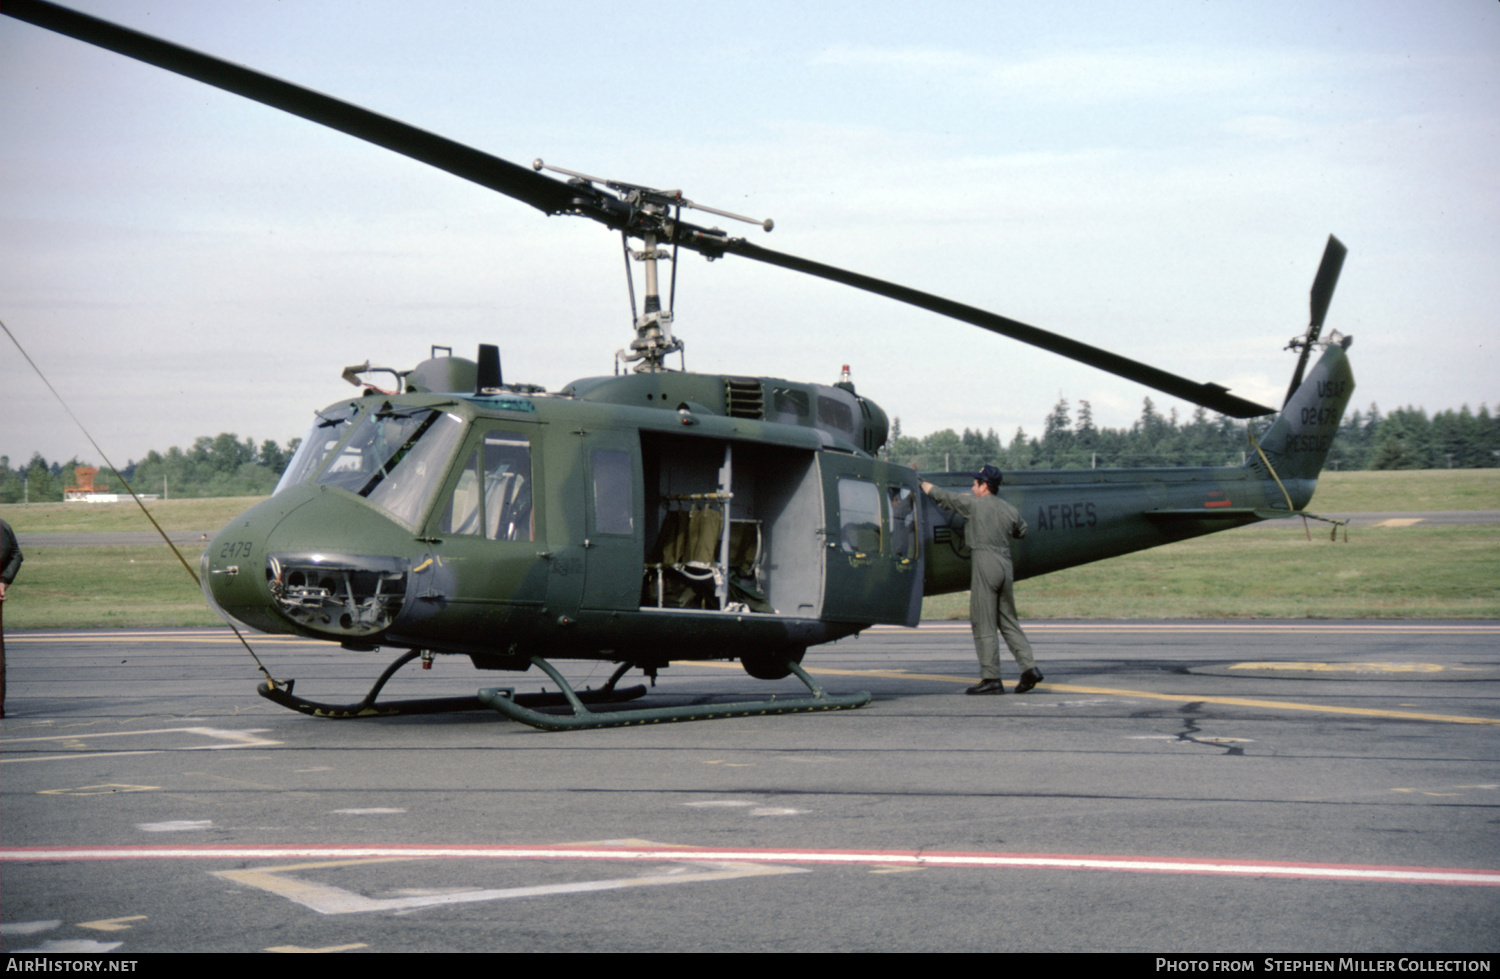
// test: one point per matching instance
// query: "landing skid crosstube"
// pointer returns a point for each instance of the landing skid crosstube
(582, 718)
(283, 695)
(524, 707)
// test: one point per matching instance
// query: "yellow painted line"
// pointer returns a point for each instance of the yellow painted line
(1399, 522)
(296, 949)
(302, 892)
(1272, 704)
(1233, 628)
(1325, 627)
(330, 900)
(228, 739)
(1176, 698)
(108, 788)
(889, 674)
(111, 924)
(89, 754)
(1345, 667)
(238, 739)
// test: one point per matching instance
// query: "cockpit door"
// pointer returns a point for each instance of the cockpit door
(485, 529)
(872, 545)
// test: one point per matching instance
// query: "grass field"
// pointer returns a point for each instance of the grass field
(113, 518)
(1421, 489)
(1412, 572)
(114, 587)
(1382, 572)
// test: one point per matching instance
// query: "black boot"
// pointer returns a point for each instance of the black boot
(987, 686)
(1028, 680)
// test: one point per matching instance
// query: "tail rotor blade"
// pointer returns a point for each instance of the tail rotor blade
(1328, 277)
(1321, 296)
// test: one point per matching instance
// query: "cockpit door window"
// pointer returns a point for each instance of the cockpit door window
(495, 499)
(507, 487)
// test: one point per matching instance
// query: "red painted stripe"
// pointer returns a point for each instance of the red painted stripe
(1371, 873)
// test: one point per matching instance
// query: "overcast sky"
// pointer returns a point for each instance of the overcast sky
(1157, 179)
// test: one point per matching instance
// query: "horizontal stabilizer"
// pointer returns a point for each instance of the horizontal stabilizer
(1222, 513)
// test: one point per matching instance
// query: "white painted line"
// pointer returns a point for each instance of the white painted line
(75, 946)
(29, 927)
(756, 809)
(176, 826)
(367, 812)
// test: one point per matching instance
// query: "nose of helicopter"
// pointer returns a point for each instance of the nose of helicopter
(310, 561)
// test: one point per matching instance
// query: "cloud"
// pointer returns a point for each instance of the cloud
(1104, 75)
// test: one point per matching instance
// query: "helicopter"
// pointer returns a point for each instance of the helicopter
(657, 515)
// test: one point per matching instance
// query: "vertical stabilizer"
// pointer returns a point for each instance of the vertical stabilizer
(1298, 443)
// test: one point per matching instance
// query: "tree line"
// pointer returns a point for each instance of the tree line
(214, 466)
(1406, 438)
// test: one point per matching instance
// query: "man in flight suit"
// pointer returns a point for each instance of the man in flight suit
(990, 525)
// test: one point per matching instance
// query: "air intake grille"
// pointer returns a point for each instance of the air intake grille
(743, 398)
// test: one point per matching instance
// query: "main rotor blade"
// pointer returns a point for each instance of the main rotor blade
(1318, 300)
(555, 197)
(1212, 396)
(522, 183)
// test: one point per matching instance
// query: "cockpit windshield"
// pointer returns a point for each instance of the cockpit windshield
(327, 432)
(395, 458)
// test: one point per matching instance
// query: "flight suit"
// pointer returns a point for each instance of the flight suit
(991, 525)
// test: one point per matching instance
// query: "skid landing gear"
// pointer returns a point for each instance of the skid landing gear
(367, 707)
(582, 718)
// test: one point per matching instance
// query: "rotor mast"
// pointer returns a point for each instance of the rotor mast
(654, 217)
(653, 327)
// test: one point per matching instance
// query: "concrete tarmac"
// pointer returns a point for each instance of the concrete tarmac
(1173, 787)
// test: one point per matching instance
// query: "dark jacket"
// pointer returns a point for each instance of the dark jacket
(10, 554)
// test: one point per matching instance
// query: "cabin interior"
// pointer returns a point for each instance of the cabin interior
(731, 526)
